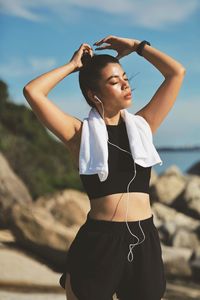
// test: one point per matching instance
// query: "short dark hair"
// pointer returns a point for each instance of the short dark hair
(89, 74)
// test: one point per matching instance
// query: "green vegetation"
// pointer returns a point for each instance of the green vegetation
(44, 164)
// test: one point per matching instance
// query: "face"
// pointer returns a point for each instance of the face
(115, 91)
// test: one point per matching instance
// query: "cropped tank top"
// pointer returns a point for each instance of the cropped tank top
(120, 168)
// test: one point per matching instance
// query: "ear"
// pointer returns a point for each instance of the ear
(91, 94)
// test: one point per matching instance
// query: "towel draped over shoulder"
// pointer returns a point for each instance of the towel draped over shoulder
(93, 155)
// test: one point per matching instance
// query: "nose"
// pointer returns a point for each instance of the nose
(125, 84)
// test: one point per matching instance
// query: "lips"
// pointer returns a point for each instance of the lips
(128, 95)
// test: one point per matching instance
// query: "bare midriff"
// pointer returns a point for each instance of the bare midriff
(113, 207)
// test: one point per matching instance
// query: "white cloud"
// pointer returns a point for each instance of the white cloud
(40, 64)
(17, 67)
(20, 8)
(155, 14)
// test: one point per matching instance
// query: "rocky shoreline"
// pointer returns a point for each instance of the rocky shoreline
(35, 236)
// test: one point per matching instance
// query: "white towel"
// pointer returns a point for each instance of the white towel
(93, 155)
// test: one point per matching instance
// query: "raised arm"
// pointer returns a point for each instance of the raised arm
(63, 125)
(164, 98)
(161, 103)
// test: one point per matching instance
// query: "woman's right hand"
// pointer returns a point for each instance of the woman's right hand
(76, 58)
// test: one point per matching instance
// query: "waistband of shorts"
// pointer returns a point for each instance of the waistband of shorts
(117, 226)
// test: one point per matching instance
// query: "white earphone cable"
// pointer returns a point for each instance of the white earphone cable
(131, 246)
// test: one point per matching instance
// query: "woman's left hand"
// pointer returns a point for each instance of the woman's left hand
(123, 46)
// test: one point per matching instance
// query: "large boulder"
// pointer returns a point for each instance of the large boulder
(165, 214)
(194, 169)
(153, 177)
(180, 240)
(173, 226)
(195, 266)
(177, 261)
(69, 207)
(168, 186)
(36, 229)
(12, 190)
(191, 197)
(185, 239)
(20, 270)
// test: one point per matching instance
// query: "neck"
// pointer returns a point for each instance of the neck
(112, 118)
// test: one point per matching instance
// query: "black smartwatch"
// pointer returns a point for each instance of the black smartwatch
(141, 46)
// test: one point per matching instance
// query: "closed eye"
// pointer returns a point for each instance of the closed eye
(118, 81)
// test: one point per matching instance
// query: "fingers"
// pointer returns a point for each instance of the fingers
(84, 45)
(101, 41)
(91, 52)
(86, 48)
(104, 47)
(98, 43)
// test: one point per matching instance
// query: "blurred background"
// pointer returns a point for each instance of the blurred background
(42, 201)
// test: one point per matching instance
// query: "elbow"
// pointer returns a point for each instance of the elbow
(30, 91)
(180, 73)
(25, 90)
(28, 94)
(183, 71)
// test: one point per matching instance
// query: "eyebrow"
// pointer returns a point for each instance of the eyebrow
(114, 76)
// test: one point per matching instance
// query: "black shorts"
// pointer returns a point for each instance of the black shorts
(99, 266)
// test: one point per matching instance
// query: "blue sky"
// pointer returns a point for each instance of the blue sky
(40, 35)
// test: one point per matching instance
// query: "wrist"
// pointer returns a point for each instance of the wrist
(135, 44)
(72, 66)
(141, 46)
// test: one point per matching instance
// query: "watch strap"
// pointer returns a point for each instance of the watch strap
(141, 46)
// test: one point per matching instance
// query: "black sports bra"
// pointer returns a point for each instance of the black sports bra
(120, 168)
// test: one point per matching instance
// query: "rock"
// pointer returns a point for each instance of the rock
(9, 295)
(167, 214)
(170, 228)
(182, 290)
(168, 186)
(194, 169)
(69, 207)
(35, 228)
(192, 196)
(195, 265)
(20, 269)
(197, 252)
(169, 222)
(12, 190)
(6, 236)
(153, 177)
(186, 239)
(177, 261)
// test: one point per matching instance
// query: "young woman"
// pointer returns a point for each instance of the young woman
(96, 264)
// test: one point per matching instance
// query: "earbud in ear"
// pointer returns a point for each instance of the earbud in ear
(97, 98)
